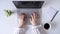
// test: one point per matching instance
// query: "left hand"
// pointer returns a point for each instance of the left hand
(22, 19)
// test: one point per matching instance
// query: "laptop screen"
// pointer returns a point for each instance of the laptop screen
(28, 4)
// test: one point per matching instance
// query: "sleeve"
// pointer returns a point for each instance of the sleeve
(19, 31)
(35, 29)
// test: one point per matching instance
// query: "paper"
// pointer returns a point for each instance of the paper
(48, 14)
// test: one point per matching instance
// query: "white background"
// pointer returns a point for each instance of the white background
(7, 24)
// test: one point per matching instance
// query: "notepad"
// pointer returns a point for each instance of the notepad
(48, 13)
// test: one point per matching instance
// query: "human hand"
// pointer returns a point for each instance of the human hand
(22, 20)
(34, 18)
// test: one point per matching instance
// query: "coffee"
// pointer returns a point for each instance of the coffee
(46, 26)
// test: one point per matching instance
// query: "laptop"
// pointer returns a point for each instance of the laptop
(28, 7)
(28, 4)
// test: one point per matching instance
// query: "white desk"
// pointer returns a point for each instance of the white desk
(7, 24)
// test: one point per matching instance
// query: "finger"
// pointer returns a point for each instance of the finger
(31, 17)
(34, 15)
(19, 16)
(24, 16)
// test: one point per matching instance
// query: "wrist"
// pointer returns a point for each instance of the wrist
(36, 26)
(20, 26)
(34, 23)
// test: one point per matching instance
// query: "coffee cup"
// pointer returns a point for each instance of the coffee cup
(47, 26)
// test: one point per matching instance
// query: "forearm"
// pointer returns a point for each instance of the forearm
(19, 30)
(35, 29)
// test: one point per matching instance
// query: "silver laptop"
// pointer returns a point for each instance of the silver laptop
(28, 7)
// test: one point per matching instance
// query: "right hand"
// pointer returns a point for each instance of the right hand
(34, 19)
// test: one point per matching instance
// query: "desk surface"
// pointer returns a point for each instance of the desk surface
(7, 24)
